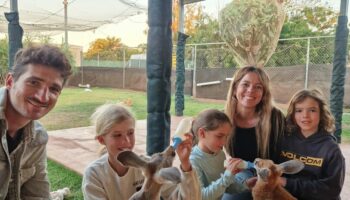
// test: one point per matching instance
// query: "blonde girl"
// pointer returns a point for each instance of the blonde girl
(106, 178)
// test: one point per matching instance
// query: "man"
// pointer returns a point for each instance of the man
(31, 91)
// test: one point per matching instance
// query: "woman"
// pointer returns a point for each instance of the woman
(257, 125)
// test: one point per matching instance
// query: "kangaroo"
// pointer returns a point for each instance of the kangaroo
(157, 170)
(267, 186)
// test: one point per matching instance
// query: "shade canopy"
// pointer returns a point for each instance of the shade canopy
(83, 15)
(191, 1)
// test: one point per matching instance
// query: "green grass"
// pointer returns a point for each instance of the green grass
(61, 177)
(76, 105)
(346, 126)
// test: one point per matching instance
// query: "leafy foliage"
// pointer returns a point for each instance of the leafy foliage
(251, 29)
(69, 56)
(321, 19)
(111, 48)
(318, 15)
(194, 14)
(3, 54)
(309, 21)
(106, 48)
(296, 27)
(207, 31)
(35, 38)
(298, 23)
(3, 59)
(209, 55)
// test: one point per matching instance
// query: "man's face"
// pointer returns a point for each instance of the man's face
(35, 92)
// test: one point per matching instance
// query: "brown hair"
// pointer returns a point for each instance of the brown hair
(326, 118)
(209, 119)
(45, 55)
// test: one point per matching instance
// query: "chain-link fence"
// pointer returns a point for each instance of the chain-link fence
(289, 52)
(296, 63)
(117, 58)
(302, 60)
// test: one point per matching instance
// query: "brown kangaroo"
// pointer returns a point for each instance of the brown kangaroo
(157, 170)
(267, 186)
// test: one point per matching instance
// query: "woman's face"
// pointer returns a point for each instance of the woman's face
(249, 91)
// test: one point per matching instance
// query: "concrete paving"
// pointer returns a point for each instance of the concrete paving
(75, 148)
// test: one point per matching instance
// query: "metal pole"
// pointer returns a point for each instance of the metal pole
(65, 3)
(307, 64)
(13, 6)
(194, 84)
(124, 68)
(181, 16)
(344, 7)
(98, 59)
(159, 46)
(82, 74)
(337, 91)
(15, 32)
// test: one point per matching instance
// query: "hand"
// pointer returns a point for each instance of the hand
(232, 165)
(184, 151)
(250, 182)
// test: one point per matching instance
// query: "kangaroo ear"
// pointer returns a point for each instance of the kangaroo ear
(130, 159)
(291, 166)
(171, 174)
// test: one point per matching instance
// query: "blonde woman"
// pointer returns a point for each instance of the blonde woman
(257, 125)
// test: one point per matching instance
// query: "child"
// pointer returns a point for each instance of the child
(211, 128)
(309, 139)
(106, 178)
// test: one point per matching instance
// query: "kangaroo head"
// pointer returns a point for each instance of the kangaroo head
(268, 171)
(157, 170)
(161, 160)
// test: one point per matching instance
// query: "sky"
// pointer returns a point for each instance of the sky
(131, 30)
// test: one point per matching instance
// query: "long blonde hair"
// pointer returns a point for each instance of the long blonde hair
(263, 110)
(327, 122)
